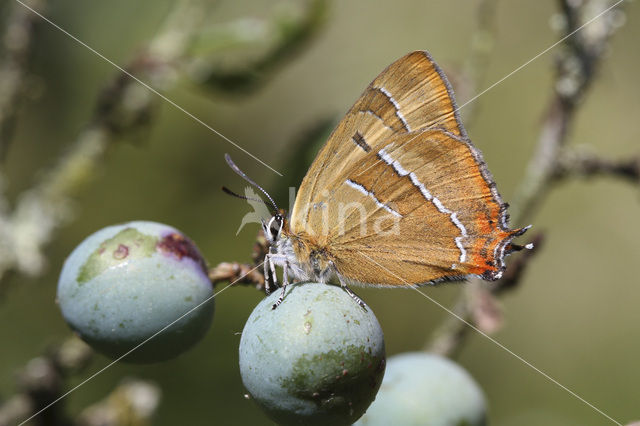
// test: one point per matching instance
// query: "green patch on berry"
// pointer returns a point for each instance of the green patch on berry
(126, 245)
(329, 379)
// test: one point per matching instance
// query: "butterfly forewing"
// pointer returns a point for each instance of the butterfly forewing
(411, 94)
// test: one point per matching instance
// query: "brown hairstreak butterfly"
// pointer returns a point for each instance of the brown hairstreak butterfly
(398, 196)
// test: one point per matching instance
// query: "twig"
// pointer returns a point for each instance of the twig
(482, 45)
(16, 42)
(243, 273)
(573, 163)
(576, 68)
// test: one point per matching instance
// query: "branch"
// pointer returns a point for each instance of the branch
(16, 42)
(482, 46)
(243, 273)
(576, 68)
(573, 163)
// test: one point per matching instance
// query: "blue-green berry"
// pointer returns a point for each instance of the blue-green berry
(427, 390)
(318, 359)
(126, 282)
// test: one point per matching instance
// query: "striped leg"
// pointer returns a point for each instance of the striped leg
(285, 282)
(265, 264)
(269, 265)
(350, 292)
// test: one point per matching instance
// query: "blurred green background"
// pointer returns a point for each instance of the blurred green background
(576, 313)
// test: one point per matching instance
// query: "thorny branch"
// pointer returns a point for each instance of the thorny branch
(292, 36)
(576, 67)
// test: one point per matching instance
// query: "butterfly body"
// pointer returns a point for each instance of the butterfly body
(398, 196)
(308, 258)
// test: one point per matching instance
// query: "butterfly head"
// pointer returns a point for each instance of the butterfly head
(273, 227)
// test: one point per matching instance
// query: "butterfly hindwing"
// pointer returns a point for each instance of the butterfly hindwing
(428, 210)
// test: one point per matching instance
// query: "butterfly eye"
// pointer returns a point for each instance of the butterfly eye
(274, 227)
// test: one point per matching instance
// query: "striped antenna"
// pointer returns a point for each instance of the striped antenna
(244, 176)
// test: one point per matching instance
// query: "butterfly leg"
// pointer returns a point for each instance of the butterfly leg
(265, 264)
(268, 263)
(352, 294)
(285, 282)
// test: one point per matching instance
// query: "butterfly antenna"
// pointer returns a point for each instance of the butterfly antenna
(244, 176)
(244, 197)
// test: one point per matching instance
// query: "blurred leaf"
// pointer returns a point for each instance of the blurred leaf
(290, 35)
(232, 35)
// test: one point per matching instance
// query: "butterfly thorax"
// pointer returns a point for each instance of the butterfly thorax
(307, 258)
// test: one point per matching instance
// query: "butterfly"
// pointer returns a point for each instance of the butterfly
(398, 196)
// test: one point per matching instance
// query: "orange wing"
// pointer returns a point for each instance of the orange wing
(410, 94)
(429, 211)
(399, 195)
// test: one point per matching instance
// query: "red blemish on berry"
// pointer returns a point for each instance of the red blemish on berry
(121, 252)
(180, 246)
